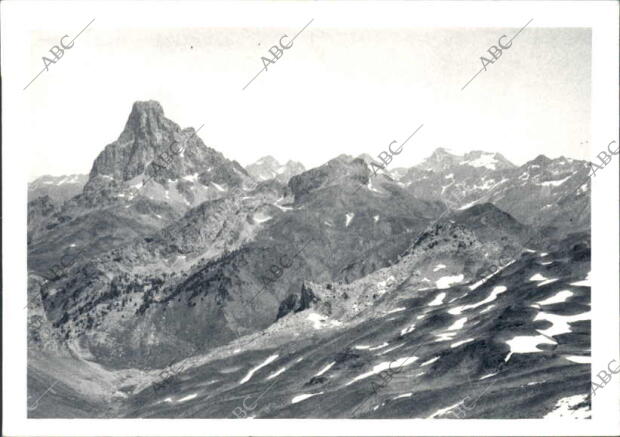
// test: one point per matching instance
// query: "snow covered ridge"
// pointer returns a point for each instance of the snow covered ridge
(486, 160)
(57, 180)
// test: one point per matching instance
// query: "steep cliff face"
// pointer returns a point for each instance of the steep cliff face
(153, 146)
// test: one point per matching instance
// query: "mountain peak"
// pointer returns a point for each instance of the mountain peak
(440, 160)
(147, 107)
(146, 118)
(442, 151)
(267, 160)
(144, 151)
(268, 168)
(541, 160)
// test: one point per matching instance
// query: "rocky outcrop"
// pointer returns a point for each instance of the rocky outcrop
(296, 303)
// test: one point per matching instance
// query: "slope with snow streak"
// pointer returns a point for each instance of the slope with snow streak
(343, 370)
(260, 366)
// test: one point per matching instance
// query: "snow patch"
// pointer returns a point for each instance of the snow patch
(407, 330)
(187, 398)
(431, 361)
(538, 277)
(191, 178)
(349, 216)
(382, 285)
(485, 160)
(261, 218)
(548, 281)
(384, 366)
(450, 332)
(370, 186)
(218, 187)
(396, 310)
(489, 308)
(276, 373)
(579, 359)
(458, 324)
(320, 322)
(523, 344)
(497, 290)
(268, 361)
(448, 281)
(560, 324)
(458, 343)
(391, 349)
(303, 397)
(554, 183)
(443, 411)
(559, 297)
(583, 282)
(381, 346)
(325, 369)
(565, 407)
(438, 299)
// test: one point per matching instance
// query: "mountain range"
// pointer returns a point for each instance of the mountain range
(57, 188)
(240, 275)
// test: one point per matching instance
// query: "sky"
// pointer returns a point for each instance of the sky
(349, 90)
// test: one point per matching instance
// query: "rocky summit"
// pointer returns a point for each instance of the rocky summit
(173, 282)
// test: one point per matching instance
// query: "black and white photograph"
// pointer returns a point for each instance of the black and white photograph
(369, 211)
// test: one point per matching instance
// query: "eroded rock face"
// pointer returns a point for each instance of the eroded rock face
(155, 146)
(296, 303)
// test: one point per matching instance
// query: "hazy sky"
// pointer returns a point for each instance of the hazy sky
(335, 91)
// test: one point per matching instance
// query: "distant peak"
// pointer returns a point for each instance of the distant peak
(267, 160)
(541, 159)
(442, 151)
